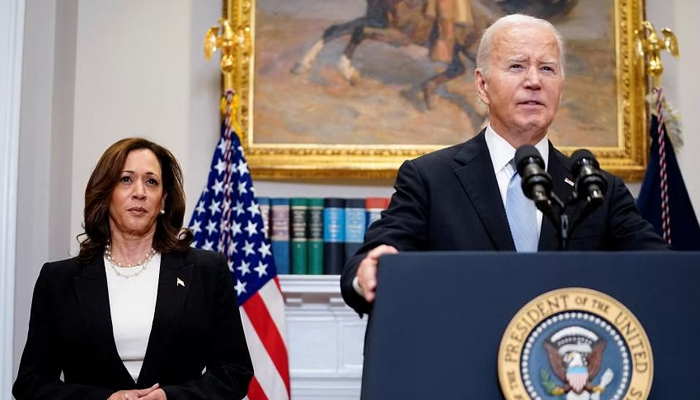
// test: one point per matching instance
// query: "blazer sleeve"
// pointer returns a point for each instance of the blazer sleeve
(40, 367)
(228, 369)
(403, 225)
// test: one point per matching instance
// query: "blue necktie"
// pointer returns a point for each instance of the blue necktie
(522, 216)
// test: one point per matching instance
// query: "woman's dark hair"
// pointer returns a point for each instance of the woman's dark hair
(169, 235)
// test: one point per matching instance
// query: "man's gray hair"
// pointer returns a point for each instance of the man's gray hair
(483, 56)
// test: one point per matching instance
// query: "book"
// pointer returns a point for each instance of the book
(374, 207)
(279, 216)
(355, 225)
(264, 203)
(315, 243)
(299, 220)
(333, 235)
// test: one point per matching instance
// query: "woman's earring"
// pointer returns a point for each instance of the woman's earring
(162, 211)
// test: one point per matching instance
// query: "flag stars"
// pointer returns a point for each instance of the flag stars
(223, 145)
(240, 287)
(227, 218)
(254, 209)
(265, 250)
(232, 248)
(196, 226)
(242, 187)
(242, 167)
(252, 228)
(261, 269)
(248, 248)
(211, 227)
(220, 166)
(238, 208)
(214, 207)
(218, 187)
(236, 228)
(200, 207)
(244, 268)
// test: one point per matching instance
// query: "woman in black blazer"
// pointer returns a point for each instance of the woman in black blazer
(138, 314)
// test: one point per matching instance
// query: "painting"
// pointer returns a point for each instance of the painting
(352, 88)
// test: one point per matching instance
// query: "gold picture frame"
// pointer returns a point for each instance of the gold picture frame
(272, 155)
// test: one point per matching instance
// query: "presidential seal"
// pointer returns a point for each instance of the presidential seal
(575, 344)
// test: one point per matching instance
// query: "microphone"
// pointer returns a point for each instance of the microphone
(536, 182)
(590, 182)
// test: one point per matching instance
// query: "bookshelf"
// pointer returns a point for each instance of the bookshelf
(311, 240)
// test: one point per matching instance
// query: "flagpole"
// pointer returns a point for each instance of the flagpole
(649, 47)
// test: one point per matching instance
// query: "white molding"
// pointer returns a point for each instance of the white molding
(310, 284)
(325, 339)
(11, 42)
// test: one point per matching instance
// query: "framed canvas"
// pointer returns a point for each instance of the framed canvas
(322, 98)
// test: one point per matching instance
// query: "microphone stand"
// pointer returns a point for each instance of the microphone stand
(560, 220)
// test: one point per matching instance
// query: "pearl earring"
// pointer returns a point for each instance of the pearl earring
(162, 211)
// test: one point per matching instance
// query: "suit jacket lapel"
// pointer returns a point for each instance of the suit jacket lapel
(173, 287)
(559, 170)
(93, 298)
(475, 172)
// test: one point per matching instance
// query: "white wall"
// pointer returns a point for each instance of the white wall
(11, 43)
(99, 70)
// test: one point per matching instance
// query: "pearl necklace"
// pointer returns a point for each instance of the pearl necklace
(121, 269)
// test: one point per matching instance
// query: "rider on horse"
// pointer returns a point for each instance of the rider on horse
(447, 13)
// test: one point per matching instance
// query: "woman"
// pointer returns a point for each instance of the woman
(138, 314)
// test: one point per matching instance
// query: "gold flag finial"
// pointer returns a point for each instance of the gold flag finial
(650, 45)
(233, 42)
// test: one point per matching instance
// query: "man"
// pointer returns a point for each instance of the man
(458, 198)
(447, 13)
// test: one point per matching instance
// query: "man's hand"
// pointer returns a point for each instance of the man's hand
(136, 394)
(367, 272)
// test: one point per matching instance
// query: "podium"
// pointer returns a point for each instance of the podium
(439, 319)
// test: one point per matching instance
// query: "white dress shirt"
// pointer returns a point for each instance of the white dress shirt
(501, 155)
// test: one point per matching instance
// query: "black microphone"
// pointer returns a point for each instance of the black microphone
(536, 182)
(590, 182)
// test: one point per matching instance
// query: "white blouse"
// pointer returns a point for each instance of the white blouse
(132, 303)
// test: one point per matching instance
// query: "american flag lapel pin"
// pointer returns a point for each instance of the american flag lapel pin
(180, 282)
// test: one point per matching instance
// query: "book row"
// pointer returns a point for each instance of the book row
(317, 235)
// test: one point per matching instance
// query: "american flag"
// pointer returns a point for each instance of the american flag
(227, 219)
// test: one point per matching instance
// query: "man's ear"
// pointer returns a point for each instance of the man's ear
(481, 86)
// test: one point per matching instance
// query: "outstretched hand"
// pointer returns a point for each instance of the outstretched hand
(367, 272)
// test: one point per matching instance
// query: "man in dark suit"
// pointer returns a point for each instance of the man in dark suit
(458, 198)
